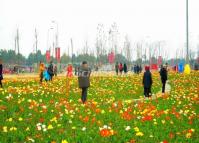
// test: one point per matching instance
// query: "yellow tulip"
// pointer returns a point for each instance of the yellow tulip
(64, 141)
(139, 134)
(50, 127)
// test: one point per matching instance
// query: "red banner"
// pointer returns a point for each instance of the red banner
(48, 55)
(111, 57)
(57, 54)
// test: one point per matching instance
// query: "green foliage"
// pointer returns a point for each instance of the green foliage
(85, 57)
(65, 59)
(31, 112)
(9, 56)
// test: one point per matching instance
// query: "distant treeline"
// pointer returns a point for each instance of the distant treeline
(11, 57)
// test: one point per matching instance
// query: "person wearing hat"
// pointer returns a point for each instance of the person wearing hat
(1, 73)
(147, 82)
(163, 75)
(84, 80)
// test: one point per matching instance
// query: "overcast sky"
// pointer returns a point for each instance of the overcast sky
(78, 19)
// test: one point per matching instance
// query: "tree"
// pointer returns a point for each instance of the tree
(85, 57)
(101, 40)
(32, 58)
(10, 57)
(65, 59)
(120, 58)
(127, 49)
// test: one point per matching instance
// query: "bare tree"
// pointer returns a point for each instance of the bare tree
(139, 52)
(85, 49)
(100, 40)
(127, 48)
(113, 38)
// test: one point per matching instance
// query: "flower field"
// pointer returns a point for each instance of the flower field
(52, 112)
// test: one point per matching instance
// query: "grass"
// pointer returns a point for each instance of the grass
(31, 112)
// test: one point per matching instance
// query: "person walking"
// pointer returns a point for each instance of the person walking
(140, 69)
(116, 68)
(46, 75)
(41, 71)
(55, 70)
(50, 70)
(163, 75)
(147, 82)
(125, 68)
(84, 80)
(135, 69)
(76, 69)
(120, 68)
(1, 73)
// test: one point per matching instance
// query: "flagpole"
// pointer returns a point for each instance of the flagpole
(187, 31)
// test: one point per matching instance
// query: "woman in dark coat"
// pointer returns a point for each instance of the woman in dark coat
(84, 80)
(51, 70)
(125, 68)
(1, 73)
(147, 82)
(116, 68)
(163, 74)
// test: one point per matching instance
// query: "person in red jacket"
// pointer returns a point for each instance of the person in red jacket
(69, 70)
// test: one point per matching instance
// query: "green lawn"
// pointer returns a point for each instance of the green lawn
(44, 113)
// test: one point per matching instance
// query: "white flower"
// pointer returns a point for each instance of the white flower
(115, 104)
(43, 126)
(38, 124)
(39, 128)
(84, 128)
(32, 140)
(105, 126)
(44, 107)
(151, 136)
(127, 128)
